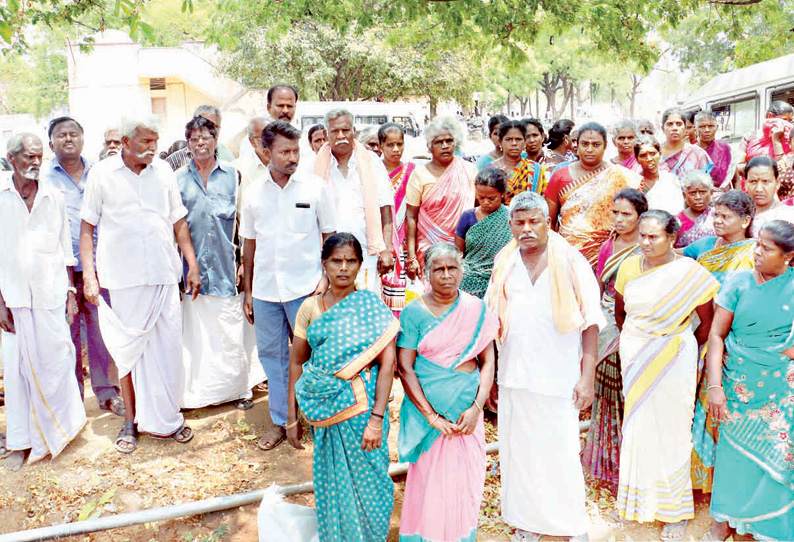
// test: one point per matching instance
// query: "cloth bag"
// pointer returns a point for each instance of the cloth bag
(280, 521)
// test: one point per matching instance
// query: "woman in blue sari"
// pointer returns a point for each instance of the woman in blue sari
(751, 391)
(341, 369)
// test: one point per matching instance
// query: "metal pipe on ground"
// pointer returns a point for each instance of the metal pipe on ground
(193, 508)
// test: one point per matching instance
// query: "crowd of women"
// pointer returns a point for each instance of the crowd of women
(695, 383)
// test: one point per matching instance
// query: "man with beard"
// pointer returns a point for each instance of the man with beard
(67, 172)
(111, 145)
(362, 191)
(285, 218)
(44, 411)
(136, 199)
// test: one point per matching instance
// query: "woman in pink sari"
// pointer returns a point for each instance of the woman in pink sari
(392, 143)
(678, 155)
(446, 361)
(624, 135)
(437, 193)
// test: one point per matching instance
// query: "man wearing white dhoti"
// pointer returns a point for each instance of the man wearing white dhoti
(364, 198)
(135, 198)
(547, 300)
(44, 410)
(217, 367)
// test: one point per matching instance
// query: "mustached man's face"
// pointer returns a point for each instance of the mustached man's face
(141, 148)
(531, 229)
(27, 162)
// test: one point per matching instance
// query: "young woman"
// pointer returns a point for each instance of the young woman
(341, 370)
(493, 134)
(522, 173)
(560, 142)
(601, 455)
(679, 156)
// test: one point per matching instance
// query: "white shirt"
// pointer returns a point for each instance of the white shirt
(136, 215)
(666, 194)
(35, 248)
(535, 356)
(348, 194)
(287, 224)
(780, 211)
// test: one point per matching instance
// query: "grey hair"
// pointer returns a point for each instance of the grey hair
(367, 133)
(250, 130)
(334, 114)
(702, 115)
(109, 128)
(439, 250)
(129, 125)
(696, 177)
(441, 123)
(16, 143)
(529, 201)
(625, 123)
(209, 109)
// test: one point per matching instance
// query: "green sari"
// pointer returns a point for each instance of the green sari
(754, 473)
(483, 241)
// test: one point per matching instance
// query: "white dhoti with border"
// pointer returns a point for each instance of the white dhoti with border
(218, 366)
(143, 333)
(44, 410)
(543, 489)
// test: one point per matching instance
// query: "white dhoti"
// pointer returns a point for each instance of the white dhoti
(143, 333)
(44, 410)
(368, 278)
(543, 487)
(218, 367)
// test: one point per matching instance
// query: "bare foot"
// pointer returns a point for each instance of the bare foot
(272, 438)
(15, 461)
(674, 531)
(719, 532)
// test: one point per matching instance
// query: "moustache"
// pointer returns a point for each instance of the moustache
(144, 154)
(342, 142)
(31, 173)
(291, 165)
(284, 117)
(527, 236)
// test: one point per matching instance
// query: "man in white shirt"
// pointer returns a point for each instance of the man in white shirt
(363, 195)
(135, 199)
(44, 410)
(284, 221)
(548, 303)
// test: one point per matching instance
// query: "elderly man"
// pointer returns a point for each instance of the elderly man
(217, 367)
(44, 410)
(720, 153)
(111, 145)
(181, 157)
(285, 218)
(281, 102)
(362, 191)
(253, 166)
(135, 198)
(547, 300)
(67, 172)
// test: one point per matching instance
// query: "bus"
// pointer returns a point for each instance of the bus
(739, 99)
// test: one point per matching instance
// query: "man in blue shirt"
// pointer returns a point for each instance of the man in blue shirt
(67, 172)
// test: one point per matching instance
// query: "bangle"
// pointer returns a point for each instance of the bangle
(374, 428)
(714, 386)
(376, 415)
(434, 419)
(293, 424)
(478, 405)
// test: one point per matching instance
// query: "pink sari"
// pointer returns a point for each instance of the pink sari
(393, 284)
(444, 487)
(442, 206)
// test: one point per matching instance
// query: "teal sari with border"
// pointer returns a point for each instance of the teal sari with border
(754, 473)
(354, 493)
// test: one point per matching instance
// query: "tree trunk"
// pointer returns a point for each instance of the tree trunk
(632, 95)
(433, 106)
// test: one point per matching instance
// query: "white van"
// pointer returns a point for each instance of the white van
(365, 113)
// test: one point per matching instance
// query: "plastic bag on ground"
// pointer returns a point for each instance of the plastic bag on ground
(280, 521)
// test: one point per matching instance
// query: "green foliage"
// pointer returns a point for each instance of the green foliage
(218, 535)
(722, 38)
(325, 65)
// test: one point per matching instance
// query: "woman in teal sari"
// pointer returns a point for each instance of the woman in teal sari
(446, 366)
(483, 231)
(751, 391)
(341, 367)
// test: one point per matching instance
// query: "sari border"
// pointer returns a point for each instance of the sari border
(350, 370)
(359, 407)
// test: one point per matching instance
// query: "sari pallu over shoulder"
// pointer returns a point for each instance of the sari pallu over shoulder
(484, 240)
(458, 336)
(332, 389)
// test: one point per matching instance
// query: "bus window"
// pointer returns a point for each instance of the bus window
(310, 121)
(736, 119)
(371, 119)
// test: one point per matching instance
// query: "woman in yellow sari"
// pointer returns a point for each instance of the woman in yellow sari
(580, 194)
(656, 294)
(522, 173)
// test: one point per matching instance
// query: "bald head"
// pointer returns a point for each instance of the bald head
(25, 152)
(254, 131)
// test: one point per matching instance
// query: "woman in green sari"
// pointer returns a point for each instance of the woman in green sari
(483, 231)
(341, 366)
(751, 391)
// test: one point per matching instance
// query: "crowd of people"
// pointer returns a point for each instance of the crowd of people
(655, 287)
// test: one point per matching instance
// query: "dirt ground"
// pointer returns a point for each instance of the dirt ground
(90, 479)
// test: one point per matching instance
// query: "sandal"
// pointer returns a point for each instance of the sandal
(674, 531)
(524, 536)
(115, 405)
(4, 452)
(182, 435)
(711, 537)
(267, 443)
(127, 439)
(262, 386)
(244, 404)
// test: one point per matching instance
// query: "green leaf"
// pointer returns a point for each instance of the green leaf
(86, 511)
(6, 32)
(107, 496)
(249, 437)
